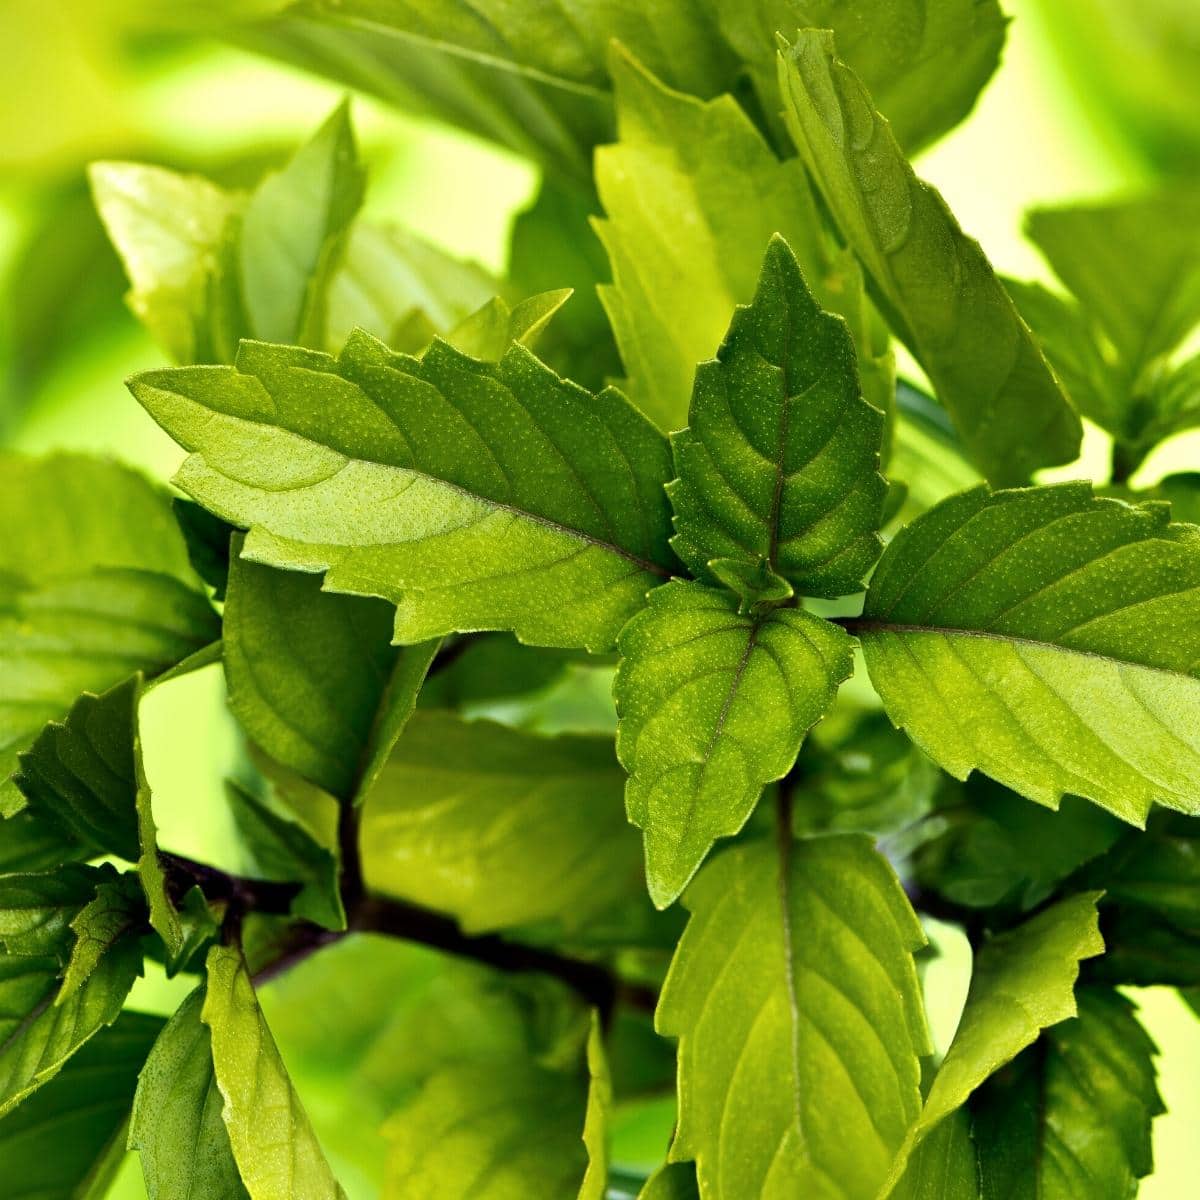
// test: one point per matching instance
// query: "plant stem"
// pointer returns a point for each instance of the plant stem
(596, 984)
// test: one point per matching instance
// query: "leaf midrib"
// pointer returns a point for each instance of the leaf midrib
(638, 561)
(860, 625)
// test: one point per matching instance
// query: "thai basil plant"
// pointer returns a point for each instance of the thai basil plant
(639, 681)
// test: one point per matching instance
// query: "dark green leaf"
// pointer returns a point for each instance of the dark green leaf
(1023, 982)
(285, 851)
(42, 1034)
(36, 910)
(934, 284)
(313, 677)
(66, 1143)
(1071, 1116)
(713, 706)
(779, 462)
(472, 495)
(1150, 915)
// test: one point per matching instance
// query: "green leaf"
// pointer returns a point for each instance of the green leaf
(488, 667)
(170, 231)
(292, 232)
(286, 851)
(387, 275)
(94, 586)
(116, 912)
(945, 1166)
(477, 1133)
(501, 828)
(66, 1142)
(713, 706)
(995, 850)
(472, 495)
(489, 331)
(1150, 915)
(313, 677)
(273, 1144)
(925, 64)
(779, 462)
(1046, 638)
(42, 1035)
(554, 245)
(36, 910)
(1072, 1115)
(81, 772)
(933, 283)
(597, 1116)
(29, 842)
(795, 998)
(672, 296)
(1023, 982)
(861, 775)
(176, 1126)
(1152, 245)
(207, 539)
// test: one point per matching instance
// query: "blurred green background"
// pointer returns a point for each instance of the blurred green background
(1094, 97)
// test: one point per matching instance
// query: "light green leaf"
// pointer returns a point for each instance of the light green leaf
(499, 827)
(176, 1126)
(1069, 338)
(292, 234)
(285, 851)
(479, 1133)
(1152, 245)
(673, 292)
(170, 231)
(36, 910)
(779, 462)
(488, 332)
(387, 274)
(1047, 638)
(795, 998)
(472, 495)
(313, 677)
(94, 586)
(115, 913)
(66, 1142)
(1023, 982)
(1071, 1116)
(42, 1035)
(273, 1143)
(597, 1116)
(683, 243)
(713, 706)
(934, 284)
